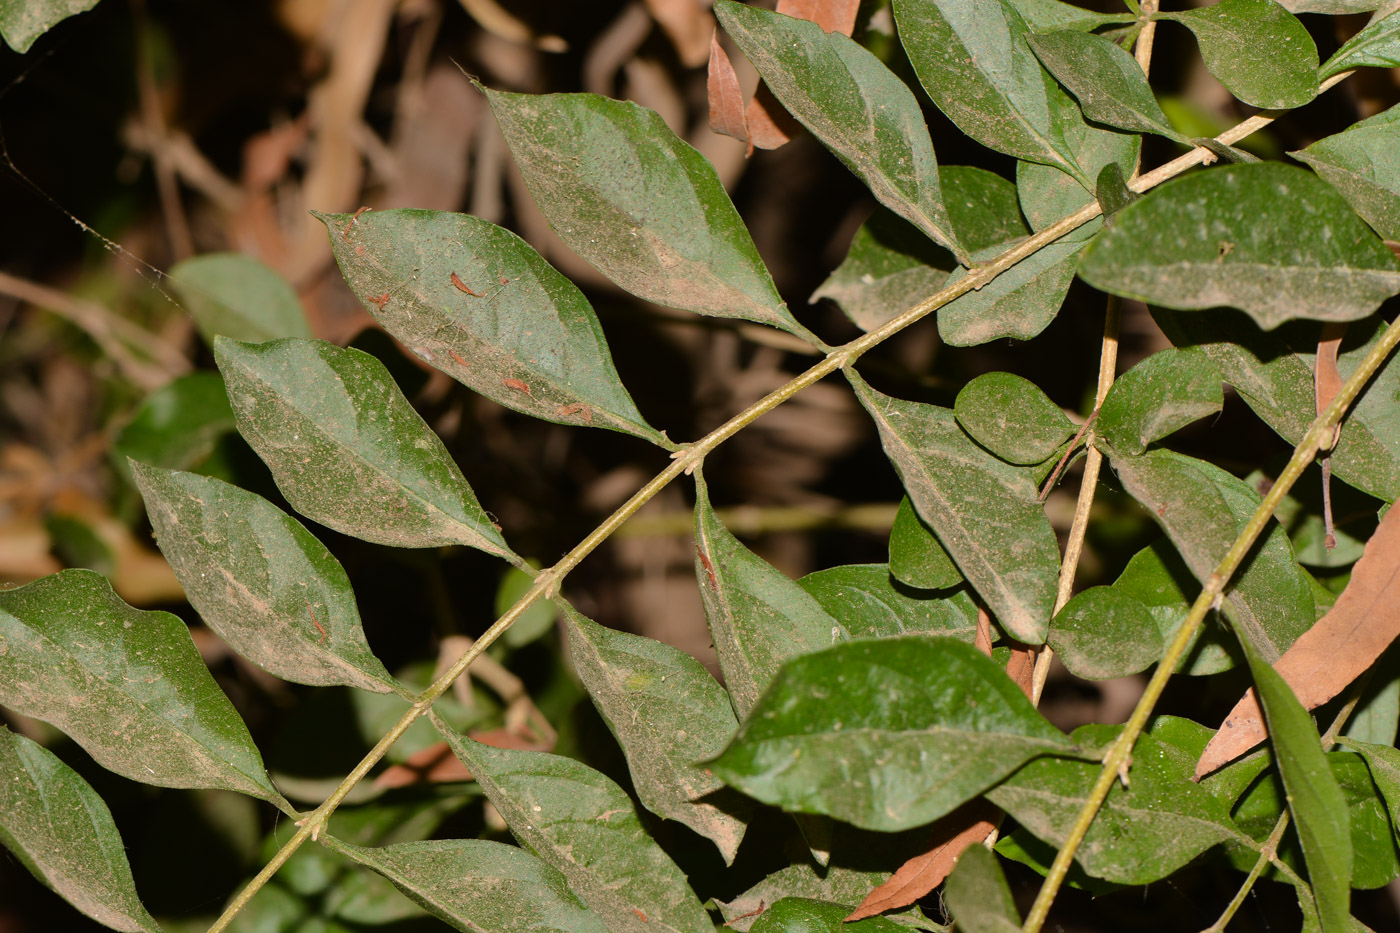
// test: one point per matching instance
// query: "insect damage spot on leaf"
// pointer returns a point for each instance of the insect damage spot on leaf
(576, 409)
(379, 302)
(517, 385)
(462, 286)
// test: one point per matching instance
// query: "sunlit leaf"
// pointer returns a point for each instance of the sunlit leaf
(1259, 51)
(233, 295)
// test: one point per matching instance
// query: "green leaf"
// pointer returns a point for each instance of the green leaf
(126, 685)
(1047, 194)
(177, 426)
(640, 204)
(260, 580)
(1316, 802)
(1018, 304)
(916, 557)
(802, 915)
(887, 734)
(873, 604)
(1103, 633)
(1011, 417)
(475, 301)
(347, 449)
(1377, 45)
(1107, 81)
(1160, 395)
(984, 511)
(586, 827)
(1361, 162)
(1330, 7)
(856, 106)
(1383, 762)
(1048, 15)
(56, 825)
(1270, 239)
(534, 621)
(1202, 509)
(233, 295)
(984, 206)
(1377, 716)
(478, 886)
(23, 21)
(1157, 577)
(837, 883)
(758, 617)
(667, 713)
(974, 61)
(1160, 822)
(1257, 49)
(1273, 373)
(978, 896)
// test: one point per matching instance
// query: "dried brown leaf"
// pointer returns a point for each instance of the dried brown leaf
(1327, 379)
(437, 764)
(1331, 654)
(982, 641)
(1020, 667)
(726, 97)
(831, 15)
(686, 23)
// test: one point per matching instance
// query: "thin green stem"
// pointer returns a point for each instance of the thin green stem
(1119, 752)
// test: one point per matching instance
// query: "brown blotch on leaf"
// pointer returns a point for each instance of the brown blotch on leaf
(517, 385)
(576, 409)
(462, 287)
(354, 222)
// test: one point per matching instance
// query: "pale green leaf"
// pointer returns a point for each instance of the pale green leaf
(916, 557)
(233, 295)
(1257, 49)
(1010, 416)
(1362, 163)
(1158, 396)
(536, 620)
(871, 603)
(1107, 81)
(23, 21)
(978, 896)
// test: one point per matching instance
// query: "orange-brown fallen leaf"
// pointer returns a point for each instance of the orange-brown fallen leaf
(831, 15)
(726, 97)
(1331, 654)
(436, 763)
(1327, 382)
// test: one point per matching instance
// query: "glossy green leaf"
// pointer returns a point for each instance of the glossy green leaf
(639, 203)
(978, 896)
(916, 557)
(803, 915)
(1010, 416)
(1158, 396)
(178, 426)
(479, 886)
(1273, 373)
(260, 580)
(667, 713)
(233, 295)
(1202, 509)
(1146, 831)
(856, 106)
(758, 617)
(1270, 239)
(984, 511)
(871, 603)
(1157, 578)
(1377, 46)
(1257, 49)
(1049, 15)
(475, 301)
(127, 685)
(24, 21)
(586, 827)
(1018, 304)
(1362, 163)
(974, 61)
(1103, 633)
(936, 721)
(1316, 802)
(56, 825)
(347, 449)
(1107, 81)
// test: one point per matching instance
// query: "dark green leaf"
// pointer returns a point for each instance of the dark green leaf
(984, 206)
(1383, 761)
(1107, 81)
(871, 603)
(974, 61)
(758, 617)
(934, 719)
(126, 685)
(635, 200)
(849, 100)
(475, 301)
(1157, 577)
(916, 557)
(837, 883)
(1103, 633)
(347, 449)
(23, 21)
(479, 886)
(1047, 194)
(1202, 509)
(1011, 417)
(1271, 239)
(260, 580)
(984, 511)
(1161, 821)
(1377, 716)
(1316, 802)
(233, 295)
(1303, 522)
(1160, 395)
(666, 713)
(801, 915)
(978, 896)
(1048, 15)
(56, 825)
(177, 426)
(1020, 846)
(1363, 164)
(1259, 51)
(1378, 45)
(586, 827)
(1019, 303)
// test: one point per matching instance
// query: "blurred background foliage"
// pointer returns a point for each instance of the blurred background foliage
(146, 132)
